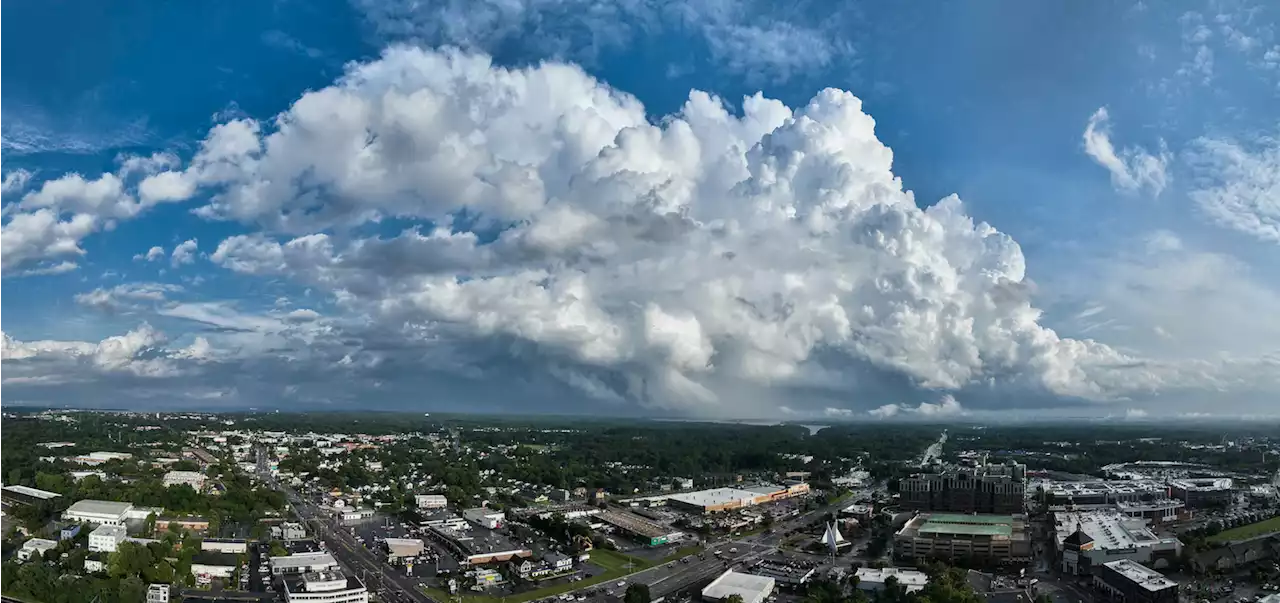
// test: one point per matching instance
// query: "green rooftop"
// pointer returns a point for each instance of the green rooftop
(974, 525)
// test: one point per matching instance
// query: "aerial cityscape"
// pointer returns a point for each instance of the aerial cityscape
(358, 507)
(640, 301)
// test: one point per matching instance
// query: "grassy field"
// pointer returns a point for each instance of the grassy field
(615, 564)
(1247, 531)
(681, 553)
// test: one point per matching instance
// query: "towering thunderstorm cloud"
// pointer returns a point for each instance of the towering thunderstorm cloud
(678, 263)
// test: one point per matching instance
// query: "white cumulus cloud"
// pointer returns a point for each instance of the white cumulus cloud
(184, 253)
(709, 261)
(947, 406)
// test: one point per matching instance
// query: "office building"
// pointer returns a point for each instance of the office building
(430, 501)
(1131, 582)
(1198, 493)
(872, 580)
(991, 489)
(993, 539)
(1089, 539)
(195, 479)
(751, 588)
(106, 538)
(158, 593)
(332, 586)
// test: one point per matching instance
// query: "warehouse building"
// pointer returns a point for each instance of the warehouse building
(648, 532)
(1086, 540)
(996, 539)
(1131, 582)
(1198, 493)
(727, 499)
(752, 588)
(105, 512)
(22, 495)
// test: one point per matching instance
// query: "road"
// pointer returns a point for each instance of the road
(663, 580)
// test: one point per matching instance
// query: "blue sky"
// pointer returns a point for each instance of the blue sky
(519, 206)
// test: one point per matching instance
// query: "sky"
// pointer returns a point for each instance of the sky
(707, 208)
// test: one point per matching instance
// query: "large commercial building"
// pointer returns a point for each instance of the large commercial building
(477, 546)
(1089, 539)
(1159, 510)
(1202, 492)
(727, 499)
(648, 532)
(985, 539)
(751, 588)
(1103, 492)
(106, 512)
(994, 489)
(331, 586)
(1131, 582)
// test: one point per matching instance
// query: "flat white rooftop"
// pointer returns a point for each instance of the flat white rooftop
(112, 531)
(1141, 575)
(99, 507)
(911, 580)
(750, 587)
(300, 560)
(1108, 529)
(715, 496)
(32, 492)
(1203, 484)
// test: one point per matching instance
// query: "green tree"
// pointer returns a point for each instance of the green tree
(636, 593)
(734, 598)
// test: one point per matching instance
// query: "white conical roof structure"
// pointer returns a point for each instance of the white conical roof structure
(832, 537)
